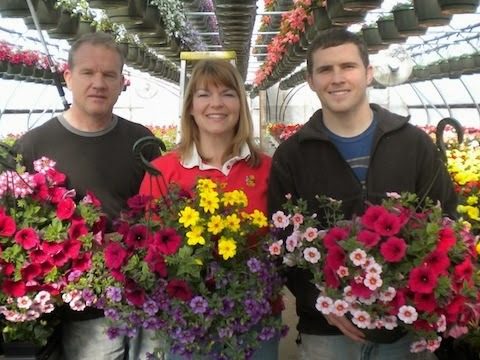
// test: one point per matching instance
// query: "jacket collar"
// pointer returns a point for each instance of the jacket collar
(386, 122)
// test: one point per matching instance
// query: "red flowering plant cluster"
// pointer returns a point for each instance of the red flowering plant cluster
(401, 266)
(281, 132)
(190, 270)
(46, 245)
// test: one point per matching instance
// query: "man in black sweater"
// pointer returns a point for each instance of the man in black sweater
(94, 148)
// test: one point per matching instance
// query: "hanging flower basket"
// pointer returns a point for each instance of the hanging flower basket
(429, 13)
(3, 66)
(458, 6)
(388, 31)
(14, 8)
(47, 14)
(14, 69)
(339, 16)
(132, 52)
(85, 27)
(372, 38)
(66, 27)
(406, 21)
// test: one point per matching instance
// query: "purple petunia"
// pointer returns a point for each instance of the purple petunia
(198, 305)
(114, 294)
(254, 265)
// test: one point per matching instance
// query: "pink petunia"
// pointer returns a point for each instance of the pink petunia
(83, 262)
(77, 228)
(115, 255)
(393, 249)
(368, 238)
(27, 238)
(167, 241)
(371, 216)
(72, 248)
(7, 226)
(387, 225)
(65, 209)
(336, 257)
(422, 280)
(334, 235)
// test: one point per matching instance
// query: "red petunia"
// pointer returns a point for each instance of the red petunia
(7, 226)
(334, 235)
(335, 257)
(31, 271)
(137, 236)
(425, 302)
(115, 255)
(90, 198)
(167, 241)
(371, 216)
(277, 305)
(77, 229)
(331, 277)
(454, 308)
(65, 209)
(71, 248)
(138, 202)
(37, 256)
(464, 271)
(136, 297)
(393, 249)
(56, 177)
(368, 238)
(14, 288)
(387, 225)
(27, 238)
(422, 280)
(51, 248)
(360, 290)
(179, 289)
(446, 239)
(60, 258)
(437, 261)
(156, 262)
(47, 266)
(423, 325)
(398, 301)
(83, 262)
(57, 194)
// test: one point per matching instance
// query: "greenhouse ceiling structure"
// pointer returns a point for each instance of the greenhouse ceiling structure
(425, 53)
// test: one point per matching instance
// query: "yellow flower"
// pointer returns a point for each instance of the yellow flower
(206, 185)
(232, 222)
(189, 217)
(473, 212)
(235, 197)
(194, 236)
(209, 201)
(478, 248)
(258, 218)
(227, 247)
(472, 200)
(215, 225)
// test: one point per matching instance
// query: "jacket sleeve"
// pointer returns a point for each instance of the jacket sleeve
(434, 180)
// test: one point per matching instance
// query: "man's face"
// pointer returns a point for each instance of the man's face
(95, 80)
(340, 79)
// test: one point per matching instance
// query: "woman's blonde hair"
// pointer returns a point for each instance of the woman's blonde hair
(217, 72)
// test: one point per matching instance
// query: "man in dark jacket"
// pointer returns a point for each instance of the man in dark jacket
(355, 152)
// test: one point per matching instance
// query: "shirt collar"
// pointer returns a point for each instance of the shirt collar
(195, 160)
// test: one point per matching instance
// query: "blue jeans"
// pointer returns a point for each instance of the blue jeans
(87, 339)
(336, 347)
(268, 350)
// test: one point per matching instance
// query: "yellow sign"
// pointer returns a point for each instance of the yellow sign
(201, 55)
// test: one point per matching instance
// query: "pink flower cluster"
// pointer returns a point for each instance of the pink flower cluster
(393, 266)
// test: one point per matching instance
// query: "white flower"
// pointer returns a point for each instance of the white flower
(297, 220)
(340, 307)
(32, 315)
(361, 319)
(348, 295)
(390, 322)
(372, 281)
(324, 305)
(24, 302)
(42, 297)
(280, 220)
(311, 254)
(393, 195)
(388, 294)
(418, 346)
(292, 241)
(342, 271)
(374, 268)
(358, 257)
(77, 304)
(48, 308)
(442, 324)
(408, 314)
(310, 234)
(275, 248)
(434, 344)
(67, 297)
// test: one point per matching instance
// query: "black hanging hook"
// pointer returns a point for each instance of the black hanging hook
(439, 132)
(138, 147)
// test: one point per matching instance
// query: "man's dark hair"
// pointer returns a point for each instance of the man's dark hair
(336, 37)
(96, 39)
